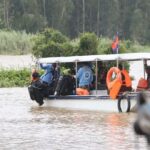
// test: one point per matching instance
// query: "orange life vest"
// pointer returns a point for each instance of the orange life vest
(127, 80)
(81, 91)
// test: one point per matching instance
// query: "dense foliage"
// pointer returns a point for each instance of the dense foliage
(15, 42)
(15, 78)
(72, 17)
(51, 42)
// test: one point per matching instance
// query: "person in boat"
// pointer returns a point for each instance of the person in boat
(66, 83)
(51, 75)
(37, 89)
(102, 73)
(147, 69)
(144, 84)
(47, 77)
(126, 81)
(85, 78)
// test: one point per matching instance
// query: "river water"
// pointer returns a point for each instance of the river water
(26, 126)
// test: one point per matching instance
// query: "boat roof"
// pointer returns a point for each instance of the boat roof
(90, 58)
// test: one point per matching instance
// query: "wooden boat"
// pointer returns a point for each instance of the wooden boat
(98, 100)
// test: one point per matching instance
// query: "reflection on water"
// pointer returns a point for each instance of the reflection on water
(26, 126)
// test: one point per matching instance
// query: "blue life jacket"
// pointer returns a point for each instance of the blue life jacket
(48, 75)
(85, 76)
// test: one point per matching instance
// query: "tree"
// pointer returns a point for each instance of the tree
(88, 44)
(49, 43)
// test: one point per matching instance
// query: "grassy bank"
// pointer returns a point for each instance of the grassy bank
(20, 42)
(15, 42)
(14, 78)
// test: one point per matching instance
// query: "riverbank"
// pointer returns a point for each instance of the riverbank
(23, 63)
(16, 61)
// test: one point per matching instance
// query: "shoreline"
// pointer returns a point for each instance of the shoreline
(28, 61)
(16, 61)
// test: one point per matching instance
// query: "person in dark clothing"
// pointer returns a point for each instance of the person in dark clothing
(66, 83)
(35, 88)
(147, 69)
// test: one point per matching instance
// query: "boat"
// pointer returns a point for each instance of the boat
(98, 100)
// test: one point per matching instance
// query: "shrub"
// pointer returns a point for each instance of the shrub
(15, 42)
(88, 44)
(14, 78)
(48, 43)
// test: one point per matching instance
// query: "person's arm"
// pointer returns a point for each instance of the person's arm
(45, 66)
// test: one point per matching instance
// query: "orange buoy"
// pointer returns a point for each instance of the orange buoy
(113, 84)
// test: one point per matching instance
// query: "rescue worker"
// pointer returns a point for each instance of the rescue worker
(47, 77)
(85, 78)
(50, 77)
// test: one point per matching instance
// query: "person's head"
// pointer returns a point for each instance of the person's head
(35, 76)
(54, 65)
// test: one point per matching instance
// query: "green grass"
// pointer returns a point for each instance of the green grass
(15, 42)
(15, 78)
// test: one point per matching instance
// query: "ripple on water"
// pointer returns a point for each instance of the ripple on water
(24, 126)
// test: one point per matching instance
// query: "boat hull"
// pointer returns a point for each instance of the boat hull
(103, 105)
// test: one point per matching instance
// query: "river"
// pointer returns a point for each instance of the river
(26, 126)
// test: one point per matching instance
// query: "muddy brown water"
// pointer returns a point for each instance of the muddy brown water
(26, 126)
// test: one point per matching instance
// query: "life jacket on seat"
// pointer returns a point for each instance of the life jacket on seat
(142, 84)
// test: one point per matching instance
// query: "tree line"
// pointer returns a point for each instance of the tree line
(103, 17)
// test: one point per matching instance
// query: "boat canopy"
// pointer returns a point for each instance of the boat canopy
(90, 58)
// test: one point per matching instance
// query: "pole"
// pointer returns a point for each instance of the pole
(144, 68)
(96, 73)
(76, 63)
